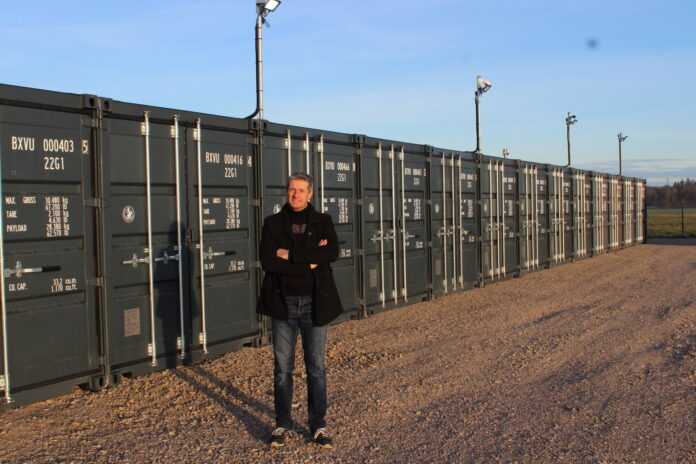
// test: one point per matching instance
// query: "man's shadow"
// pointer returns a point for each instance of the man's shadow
(253, 414)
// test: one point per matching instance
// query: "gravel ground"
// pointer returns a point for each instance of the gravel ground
(591, 362)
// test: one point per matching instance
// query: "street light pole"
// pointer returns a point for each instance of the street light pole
(570, 120)
(482, 86)
(263, 7)
(621, 138)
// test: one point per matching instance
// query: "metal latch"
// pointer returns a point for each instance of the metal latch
(18, 270)
(135, 260)
(166, 257)
(210, 254)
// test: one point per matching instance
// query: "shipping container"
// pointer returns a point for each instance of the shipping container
(49, 255)
(130, 233)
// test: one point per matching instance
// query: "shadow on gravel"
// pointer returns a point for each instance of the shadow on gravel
(245, 413)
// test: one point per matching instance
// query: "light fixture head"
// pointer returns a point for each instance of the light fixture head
(263, 7)
(622, 137)
(571, 119)
(482, 85)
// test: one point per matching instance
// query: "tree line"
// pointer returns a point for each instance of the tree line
(680, 194)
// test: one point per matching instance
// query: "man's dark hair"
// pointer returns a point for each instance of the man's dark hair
(301, 176)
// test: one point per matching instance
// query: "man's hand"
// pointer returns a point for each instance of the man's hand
(282, 253)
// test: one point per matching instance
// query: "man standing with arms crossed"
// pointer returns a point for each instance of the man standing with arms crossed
(299, 293)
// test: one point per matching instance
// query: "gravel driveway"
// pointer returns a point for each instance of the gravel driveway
(590, 362)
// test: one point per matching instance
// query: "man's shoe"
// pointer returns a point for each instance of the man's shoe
(279, 437)
(321, 437)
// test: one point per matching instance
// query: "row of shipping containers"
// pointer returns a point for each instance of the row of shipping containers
(130, 233)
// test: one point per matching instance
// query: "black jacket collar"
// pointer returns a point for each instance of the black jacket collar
(312, 214)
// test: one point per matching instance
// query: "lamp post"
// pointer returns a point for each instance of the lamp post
(506, 153)
(570, 120)
(621, 138)
(482, 86)
(263, 7)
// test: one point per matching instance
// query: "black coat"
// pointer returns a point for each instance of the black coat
(277, 233)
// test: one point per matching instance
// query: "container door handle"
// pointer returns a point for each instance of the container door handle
(18, 270)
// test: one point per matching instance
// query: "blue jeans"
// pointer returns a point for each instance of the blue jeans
(314, 347)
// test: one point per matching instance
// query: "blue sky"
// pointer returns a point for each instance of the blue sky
(403, 72)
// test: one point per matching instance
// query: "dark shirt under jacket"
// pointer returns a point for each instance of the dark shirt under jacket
(300, 285)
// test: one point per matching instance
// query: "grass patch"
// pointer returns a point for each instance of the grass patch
(668, 223)
(656, 211)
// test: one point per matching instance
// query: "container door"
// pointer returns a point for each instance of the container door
(509, 218)
(47, 248)
(628, 204)
(377, 213)
(567, 214)
(613, 213)
(413, 225)
(143, 158)
(493, 220)
(529, 217)
(336, 181)
(599, 216)
(220, 205)
(556, 210)
(441, 228)
(589, 213)
(467, 217)
(543, 216)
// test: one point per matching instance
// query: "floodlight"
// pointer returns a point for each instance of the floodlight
(263, 7)
(482, 85)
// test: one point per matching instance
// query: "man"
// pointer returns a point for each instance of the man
(299, 292)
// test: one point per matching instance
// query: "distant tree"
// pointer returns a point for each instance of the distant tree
(672, 196)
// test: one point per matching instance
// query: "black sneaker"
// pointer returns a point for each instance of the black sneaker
(279, 437)
(321, 437)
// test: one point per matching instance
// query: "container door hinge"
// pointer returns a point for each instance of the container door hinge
(96, 282)
(256, 264)
(255, 202)
(359, 201)
(358, 252)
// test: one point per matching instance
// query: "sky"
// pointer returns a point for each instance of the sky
(401, 70)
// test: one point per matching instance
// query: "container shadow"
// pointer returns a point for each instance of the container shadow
(247, 413)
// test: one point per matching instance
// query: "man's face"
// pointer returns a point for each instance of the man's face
(299, 194)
